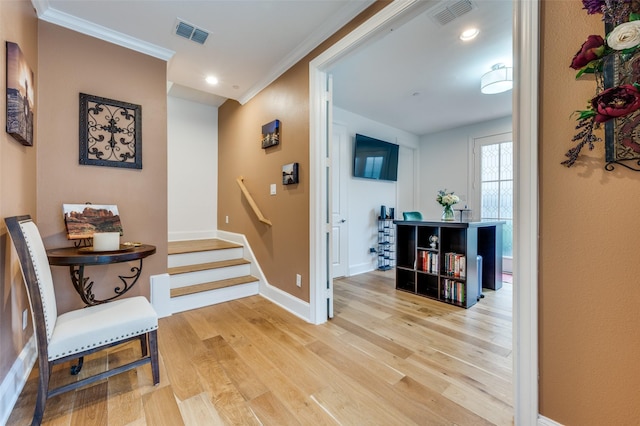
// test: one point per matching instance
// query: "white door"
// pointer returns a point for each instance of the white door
(339, 174)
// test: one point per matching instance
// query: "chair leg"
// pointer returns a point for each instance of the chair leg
(43, 390)
(153, 349)
(143, 344)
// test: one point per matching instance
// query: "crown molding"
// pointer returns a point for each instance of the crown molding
(341, 18)
(46, 13)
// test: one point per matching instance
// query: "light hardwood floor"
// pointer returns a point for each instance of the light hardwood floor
(387, 358)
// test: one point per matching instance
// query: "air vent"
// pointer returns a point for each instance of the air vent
(190, 31)
(451, 11)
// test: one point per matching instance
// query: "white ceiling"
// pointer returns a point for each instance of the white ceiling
(418, 77)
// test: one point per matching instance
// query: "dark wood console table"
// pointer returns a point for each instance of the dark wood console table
(77, 258)
(448, 270)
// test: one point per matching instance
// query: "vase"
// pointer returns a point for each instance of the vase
(447, 214)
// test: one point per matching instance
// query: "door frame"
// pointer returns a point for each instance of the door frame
(526, 35)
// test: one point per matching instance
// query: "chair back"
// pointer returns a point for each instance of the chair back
(412, 215)
(36, 272)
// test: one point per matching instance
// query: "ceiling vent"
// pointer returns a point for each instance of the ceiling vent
(451, 11)
(190, 31)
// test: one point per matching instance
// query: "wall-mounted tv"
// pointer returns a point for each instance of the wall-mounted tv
(375, 159)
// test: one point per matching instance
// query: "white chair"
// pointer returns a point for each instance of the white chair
(74, 334)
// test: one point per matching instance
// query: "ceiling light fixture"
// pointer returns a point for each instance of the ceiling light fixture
(211, 80)
(498, 80)
(469, 34)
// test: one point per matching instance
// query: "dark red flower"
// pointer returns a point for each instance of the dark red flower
(616, 102)
(593, 6)
(591, 49)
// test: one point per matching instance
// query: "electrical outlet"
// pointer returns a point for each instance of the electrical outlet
(25, 319)
(226, 219)
(299, 280)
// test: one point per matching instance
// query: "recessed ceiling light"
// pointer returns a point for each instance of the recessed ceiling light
(211, 80)
(469, 34)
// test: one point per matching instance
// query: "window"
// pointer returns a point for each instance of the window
(494, 179)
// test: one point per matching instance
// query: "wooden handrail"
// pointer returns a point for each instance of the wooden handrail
(252, 203)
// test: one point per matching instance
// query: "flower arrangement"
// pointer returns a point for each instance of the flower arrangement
(447, 199)
(596, 53)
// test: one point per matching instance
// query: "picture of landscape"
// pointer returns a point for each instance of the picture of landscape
(20, 96)
(83, 220)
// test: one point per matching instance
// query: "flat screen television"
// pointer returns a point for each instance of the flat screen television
(375, 159)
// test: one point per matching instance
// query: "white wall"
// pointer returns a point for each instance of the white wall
(366, 195)
(445, 162)
(192, 130)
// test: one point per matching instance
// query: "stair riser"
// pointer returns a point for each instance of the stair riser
(212, 297)
(199, 277)
(184, 259)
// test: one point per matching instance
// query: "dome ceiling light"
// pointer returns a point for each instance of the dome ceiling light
(498, 80)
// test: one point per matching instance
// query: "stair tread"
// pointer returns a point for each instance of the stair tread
(191, 246)
(204, 266)
(213, 285)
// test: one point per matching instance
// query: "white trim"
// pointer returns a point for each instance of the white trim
(221, 295)
(286, 301)
(16, 378)
(160, 294)
(348, 11)
(543, 421)
(526, 38)
(48, 14)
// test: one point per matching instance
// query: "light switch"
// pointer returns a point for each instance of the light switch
(273, 189)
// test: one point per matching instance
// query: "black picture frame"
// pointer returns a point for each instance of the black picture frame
(271, 134)
(290, 174)
(110, 132)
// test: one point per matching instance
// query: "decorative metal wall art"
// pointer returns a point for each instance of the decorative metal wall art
(271, 134)
(615, 62)
(110, 132)
(20, 96)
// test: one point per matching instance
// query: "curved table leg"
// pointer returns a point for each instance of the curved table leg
(84, 286)
(75, 369)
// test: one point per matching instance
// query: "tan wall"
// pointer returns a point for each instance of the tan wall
(18, 24)
(282, 249)
(74, 64)
(589, 290)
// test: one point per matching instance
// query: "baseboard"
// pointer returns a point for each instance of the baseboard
(361, 268)
(543, 421)
(286, 301)
(192, 235)
(160, 294)
(16, 378)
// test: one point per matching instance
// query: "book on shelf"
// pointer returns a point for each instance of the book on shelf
(428, 261)
(453, 290)
(455, 265)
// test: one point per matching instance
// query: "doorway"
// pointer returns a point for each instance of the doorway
(525, 105)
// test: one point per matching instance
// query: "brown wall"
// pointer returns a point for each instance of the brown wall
(18, 24)
(75, 64)
(282, 249)
(589, 290)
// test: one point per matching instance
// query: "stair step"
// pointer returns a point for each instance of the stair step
(191, 246)
(205, 266)
(183, 291)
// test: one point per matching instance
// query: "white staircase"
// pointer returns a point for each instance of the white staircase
(206, 272)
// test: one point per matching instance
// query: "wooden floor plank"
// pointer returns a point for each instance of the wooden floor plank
(387, 358)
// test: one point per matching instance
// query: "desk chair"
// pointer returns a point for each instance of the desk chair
(412, 215)
(74, 334)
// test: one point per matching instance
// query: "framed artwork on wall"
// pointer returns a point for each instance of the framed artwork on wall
(271, 134)
(20, 96)
(110, 132)
(290, 173)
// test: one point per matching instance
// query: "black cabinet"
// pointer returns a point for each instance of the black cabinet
(440, 260)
